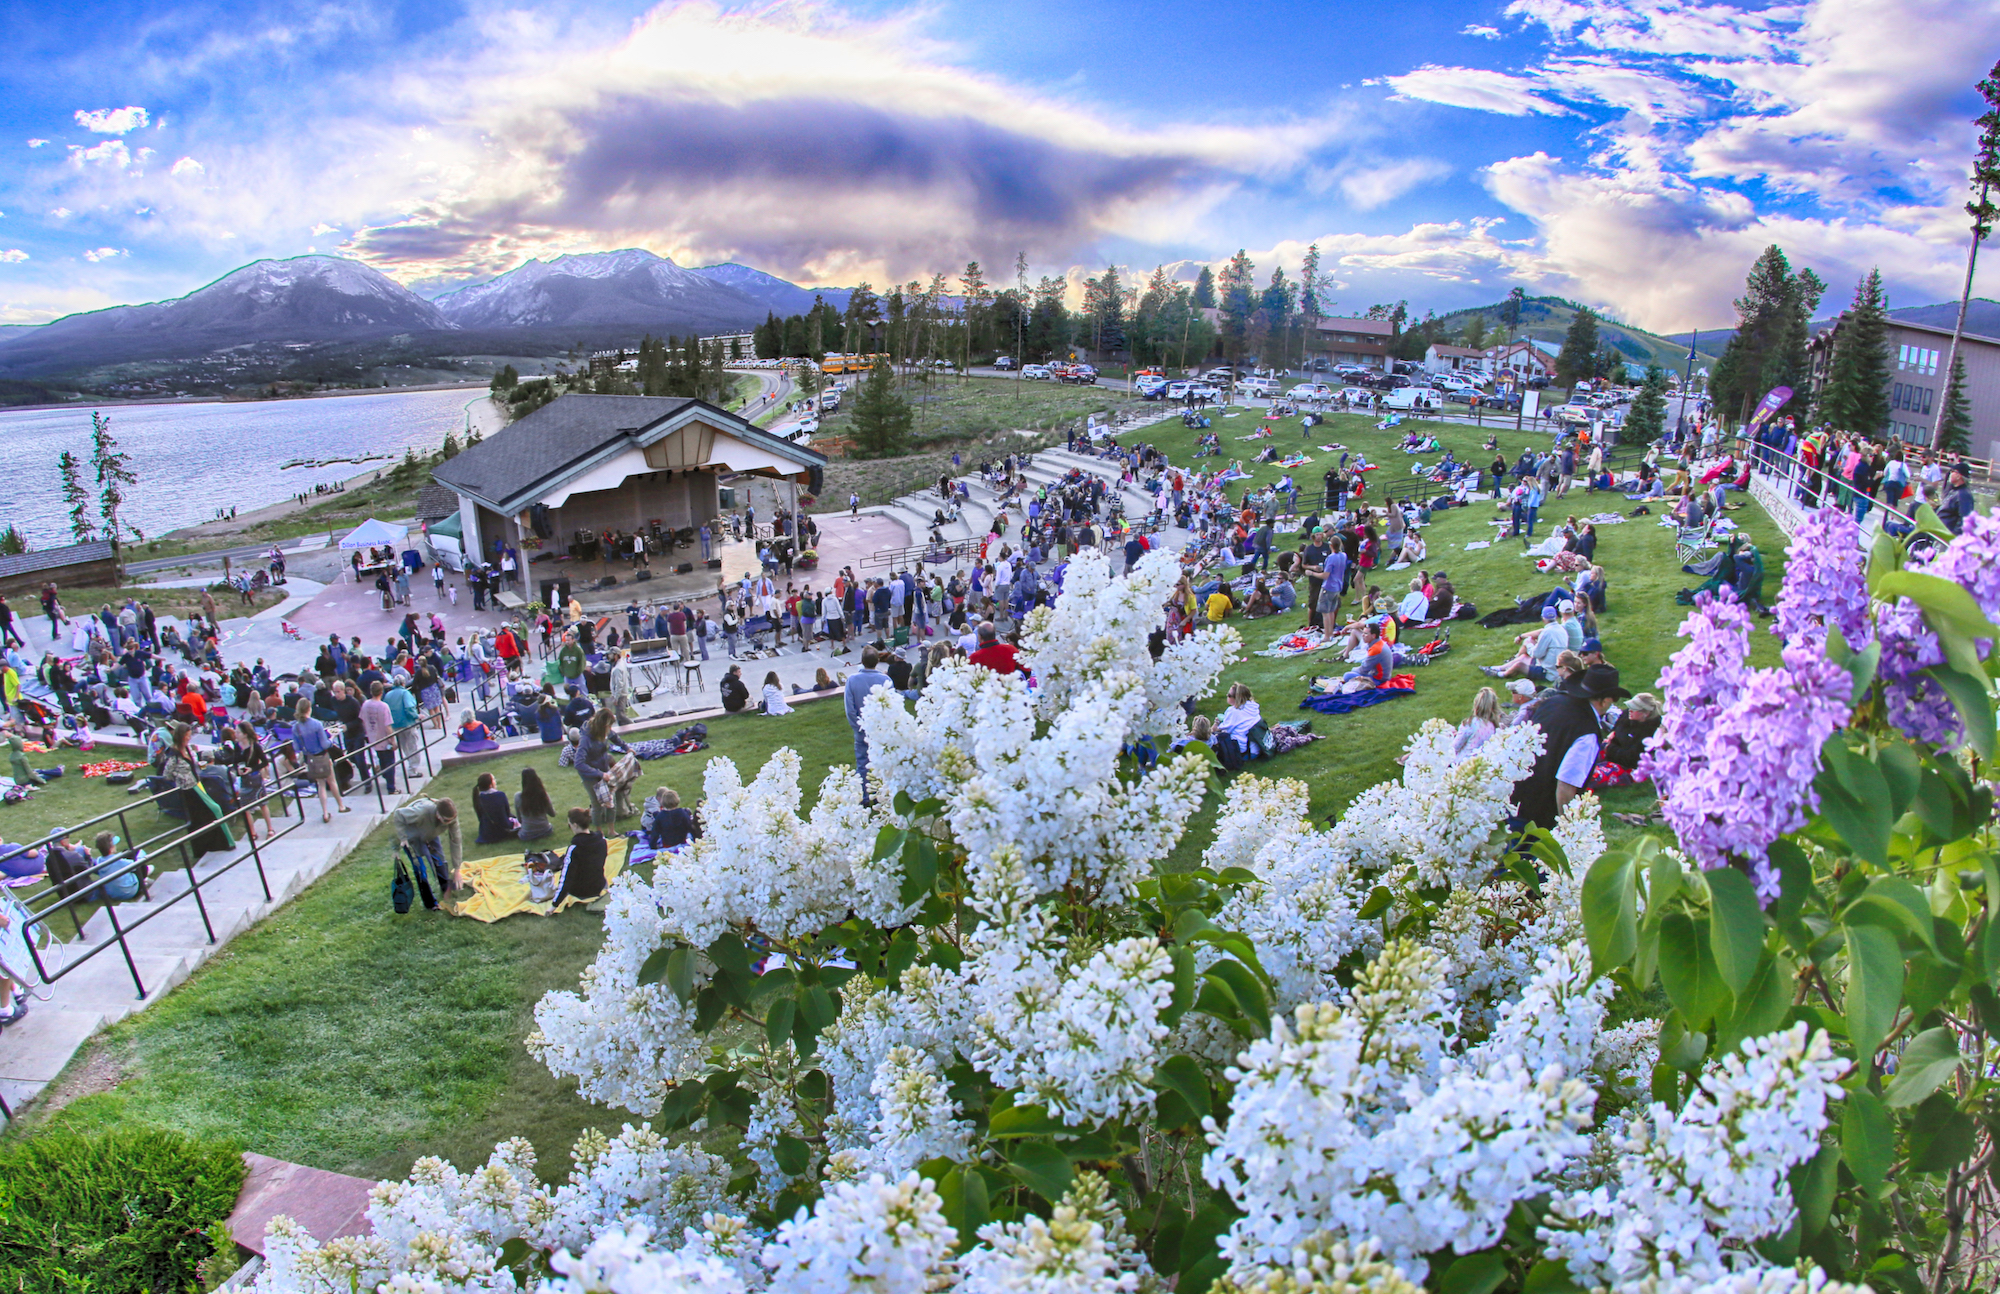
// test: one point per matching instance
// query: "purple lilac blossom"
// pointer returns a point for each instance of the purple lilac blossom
(1699, 680)
(1825, 584)
(1737, 751)
(1973, 561)
(1917, 705)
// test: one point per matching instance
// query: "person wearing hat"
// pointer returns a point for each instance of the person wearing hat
(1571, 720)
(1592, 652)
(1540, 650)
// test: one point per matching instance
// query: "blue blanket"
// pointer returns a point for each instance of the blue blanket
(1344, 702)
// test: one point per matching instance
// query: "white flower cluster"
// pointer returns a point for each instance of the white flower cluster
(441, 1228)
(1303, 912)
(623, 1261)
(926, 1015)
(871, 1237)
(1082, 1248)
(1322, 1265)
(1360, 1124)
(1054, 801)
(760, 864)
(1696, 1185)
(1095, 639)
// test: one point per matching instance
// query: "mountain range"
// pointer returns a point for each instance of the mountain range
(541, 307)
(1982, 318)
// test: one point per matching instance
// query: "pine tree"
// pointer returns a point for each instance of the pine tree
(1204, 290)
(1511, 312)
(1856, 395)
(1649, 408)
(114, 473)
(1475, 332)
(81, 528)
(1578, 359)
(881, 417)
(449, 450)
(12, 542)
(1955, 419)
(506, 379)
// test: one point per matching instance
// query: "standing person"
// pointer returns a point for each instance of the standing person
(624, 700)
(52, 608)
(207, 833)
(853, 506)
(437, 579)
(1333, 584)
(593, 765)
(421, 824)
(833, 623)
(677, 631)
(404, 715)
(707, 541)
(9, 636)
(378, 730)
(312, 741)
(1571, 720)
(864, 680)
(570, 658)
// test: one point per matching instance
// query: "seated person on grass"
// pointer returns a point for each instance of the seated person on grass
(583, 864)
(1540, 650)
(1373, 671)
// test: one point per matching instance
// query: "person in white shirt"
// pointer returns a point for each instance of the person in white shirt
(1242, 715)
(1414, 603)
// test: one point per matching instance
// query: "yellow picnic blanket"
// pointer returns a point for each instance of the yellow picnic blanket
(500, 885)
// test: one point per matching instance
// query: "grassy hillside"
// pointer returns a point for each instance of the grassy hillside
(1548, 319)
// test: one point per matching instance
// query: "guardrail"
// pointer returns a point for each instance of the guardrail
(1788, 509)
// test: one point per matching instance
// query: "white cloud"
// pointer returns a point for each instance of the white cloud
(112, 121)
(188, 169)
(112, 152)
(12, 256)
(1368, 185)
(1481, 31)
(60, 213)
(323, 228)
(97, 254)
(37, 143)
(1476, 87)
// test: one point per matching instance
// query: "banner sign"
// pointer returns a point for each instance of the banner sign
(1769, 405)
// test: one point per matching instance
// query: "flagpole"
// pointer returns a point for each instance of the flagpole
(1687, 382)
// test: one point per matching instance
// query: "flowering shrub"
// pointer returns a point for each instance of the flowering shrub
(978, 1037)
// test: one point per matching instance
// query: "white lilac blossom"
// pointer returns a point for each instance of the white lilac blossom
(760, 864)
(1825, 586)
(1053, 800)
(1096, 637)
(1322, 1265)
(624, 1261)
(927, 1014)
(1695, 1186)
(916, 1118)
(1766, 1280)
(1357, 1124)
(1082, 1248)
(870, 1237)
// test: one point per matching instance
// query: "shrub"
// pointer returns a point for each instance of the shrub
(112, 1212)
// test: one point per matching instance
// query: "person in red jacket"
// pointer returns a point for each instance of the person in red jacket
(993, 654)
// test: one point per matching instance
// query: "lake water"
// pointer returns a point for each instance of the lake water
(192, 458)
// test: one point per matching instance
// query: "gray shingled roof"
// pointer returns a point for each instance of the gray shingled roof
(434, 502)
(48, 559)
(564, 435)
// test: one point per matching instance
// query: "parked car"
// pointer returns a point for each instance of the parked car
(1262, 387)
(1418, 398)
(1205, 391)
(1036, 373)
(829, 401)
(1357, 395)
(1177, 391)
(1459, 395)
(1149, 387)
(1311, 391)
(1080, 375)
(1573, 415)
(1318, 364)
(1004, 362)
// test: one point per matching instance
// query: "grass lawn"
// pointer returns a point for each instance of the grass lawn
(954, 408)
(165, 601)
(343, 1036)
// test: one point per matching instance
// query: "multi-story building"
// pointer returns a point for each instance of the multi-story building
(1917, 381)
(1353, 341)
(1439, 357)
(1521, 360)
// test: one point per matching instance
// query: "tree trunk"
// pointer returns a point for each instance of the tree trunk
(1964, 300)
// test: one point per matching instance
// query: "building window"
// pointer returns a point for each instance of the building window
(1929, 393)
(1916, 359)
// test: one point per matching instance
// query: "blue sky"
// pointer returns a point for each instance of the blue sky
(1634, 154)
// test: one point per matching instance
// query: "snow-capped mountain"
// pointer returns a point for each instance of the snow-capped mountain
(628, 288)
(304, 298)
(780, 296)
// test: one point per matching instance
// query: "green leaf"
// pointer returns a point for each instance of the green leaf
(680, 973)
(1042, 1167)
(1813, 1185)
(709, 1006)
(680, 1104)
(1929, 523)
(1377, 903)
(654, 968)
(818, 1008)
(1477, 1273)
(962, 1191)
(902, 953)
(1248, 990)
(1974, 703)
(1854, 800)
(1550, 1276)
(1184, 987)
(1902, 769)
(1927, 982)
(1688, 971)
(1184, 1076)
(1217, 999)
(1203, 1229)
(779, 1020)
(920, 869)
(1610, 911)
(1884, 555)
(888, 842)
(1934, 804)
(1943, 1139)
(792, 1155)
(1930, 1059)
(1735, 926)
(728, 953)
(1023, 1121)
(1945, 604)
(1874, 987)
(1795, 880)
(1761, 1007)
(1867, 1140)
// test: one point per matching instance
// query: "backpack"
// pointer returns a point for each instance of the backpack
(402, 892)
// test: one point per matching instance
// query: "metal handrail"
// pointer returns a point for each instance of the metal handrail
(1760, 457)
(287, 789)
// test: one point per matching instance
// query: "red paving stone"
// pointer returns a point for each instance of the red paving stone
(328, 1205)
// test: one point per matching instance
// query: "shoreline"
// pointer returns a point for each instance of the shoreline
(128, 402)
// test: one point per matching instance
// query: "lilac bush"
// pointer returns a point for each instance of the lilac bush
(1916, 704)
(1825, 582)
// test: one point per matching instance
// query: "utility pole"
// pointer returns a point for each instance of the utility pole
(1986, 171)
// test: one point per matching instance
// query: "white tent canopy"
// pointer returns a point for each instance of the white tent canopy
(373, 533)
